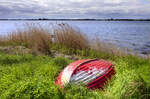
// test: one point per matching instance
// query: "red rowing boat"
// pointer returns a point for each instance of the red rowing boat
(91, 72)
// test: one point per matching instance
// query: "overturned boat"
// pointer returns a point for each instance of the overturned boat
(94, 73)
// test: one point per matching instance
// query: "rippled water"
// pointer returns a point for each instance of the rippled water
(129, 34)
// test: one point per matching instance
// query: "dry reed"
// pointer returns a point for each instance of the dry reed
(70, 37)
(39, 39)
(104, 47)
(34, 37)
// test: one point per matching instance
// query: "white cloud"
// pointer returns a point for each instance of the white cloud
(60, 7)
(114, 1)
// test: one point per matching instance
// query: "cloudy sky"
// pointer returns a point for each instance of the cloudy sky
(75, 8)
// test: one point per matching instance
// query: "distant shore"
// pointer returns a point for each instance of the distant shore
(44, 19)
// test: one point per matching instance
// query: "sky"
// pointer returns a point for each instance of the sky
(75, 9)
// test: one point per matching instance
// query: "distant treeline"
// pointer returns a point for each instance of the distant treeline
(74, 19)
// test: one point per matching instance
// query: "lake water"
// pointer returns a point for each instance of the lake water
(134, 35)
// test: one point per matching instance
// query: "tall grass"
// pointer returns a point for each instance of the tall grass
(104, 47)
(33, 37)
(2, 39)
(70, 37)
(41, 40)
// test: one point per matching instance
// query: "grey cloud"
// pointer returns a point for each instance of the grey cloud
(5, 11)
(45, 8)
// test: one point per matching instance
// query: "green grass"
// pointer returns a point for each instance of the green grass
(33, 77)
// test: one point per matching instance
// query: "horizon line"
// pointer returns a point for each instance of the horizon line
(74, 19)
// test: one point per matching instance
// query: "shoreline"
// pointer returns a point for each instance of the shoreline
(31, 60)
(74, 19)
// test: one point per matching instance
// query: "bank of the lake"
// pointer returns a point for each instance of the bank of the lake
(31, 60)
(133, 35)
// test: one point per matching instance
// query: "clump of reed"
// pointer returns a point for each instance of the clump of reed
(33, 36)
(41, 40)
(104, 47)
(66, 35)
(1, 39)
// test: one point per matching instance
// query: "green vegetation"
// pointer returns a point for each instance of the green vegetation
(29, 76)
(33, 76)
